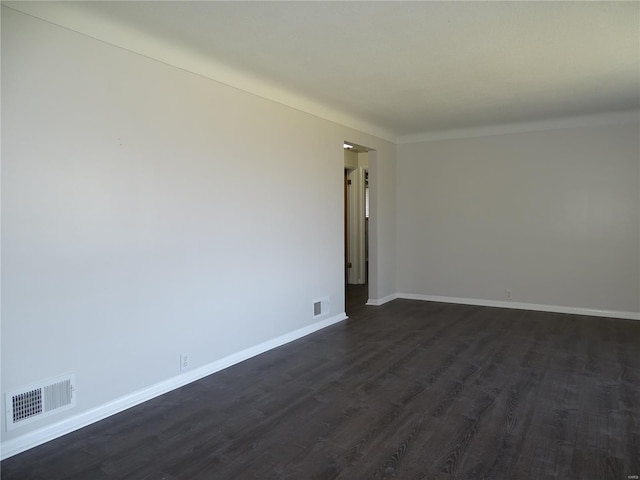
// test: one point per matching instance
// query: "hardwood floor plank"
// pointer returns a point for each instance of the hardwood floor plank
(410, 390)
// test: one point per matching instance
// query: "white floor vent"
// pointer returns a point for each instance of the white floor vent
(39, 400)
(320, 307)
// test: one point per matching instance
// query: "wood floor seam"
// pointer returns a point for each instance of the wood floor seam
(408, 390)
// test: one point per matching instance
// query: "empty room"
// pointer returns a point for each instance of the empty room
(320, 240)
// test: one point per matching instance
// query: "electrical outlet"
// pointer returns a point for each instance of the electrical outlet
(507, 294)
(184, 362)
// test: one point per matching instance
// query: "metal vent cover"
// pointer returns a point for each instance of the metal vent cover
(26, 405)
(36, 401)
(320, 307)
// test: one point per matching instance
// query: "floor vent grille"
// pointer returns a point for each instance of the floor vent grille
(39, 400)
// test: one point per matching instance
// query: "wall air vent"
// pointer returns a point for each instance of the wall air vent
(320, 307)
(39, 400)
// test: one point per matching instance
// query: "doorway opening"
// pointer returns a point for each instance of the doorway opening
(356, 223)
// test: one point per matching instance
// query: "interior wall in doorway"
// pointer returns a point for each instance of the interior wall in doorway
(357, 164)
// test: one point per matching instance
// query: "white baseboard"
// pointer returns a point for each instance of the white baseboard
(376, 302)
(592, 312)
(45, 434)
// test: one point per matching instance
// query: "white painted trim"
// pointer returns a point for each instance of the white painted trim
(70, 16)
(376, 302)
(104, 29)
(51, 432)
(610, 118)
(592, 312)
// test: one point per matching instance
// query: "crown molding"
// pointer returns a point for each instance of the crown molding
(607, 118)
(75, 18)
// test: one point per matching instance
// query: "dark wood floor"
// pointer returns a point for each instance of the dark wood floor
(409, 390)
(356, 297)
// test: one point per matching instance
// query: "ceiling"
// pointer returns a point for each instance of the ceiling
(408, 68)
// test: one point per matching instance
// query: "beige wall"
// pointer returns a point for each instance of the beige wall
(552, 216)
(350, 159)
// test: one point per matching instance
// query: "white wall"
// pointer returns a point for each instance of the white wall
(356, 230)
(148, 211)
(350, 159)
(382, 225)
(357, 211)
(551, 215)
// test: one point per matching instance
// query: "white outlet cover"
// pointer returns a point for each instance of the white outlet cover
(184, 361)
